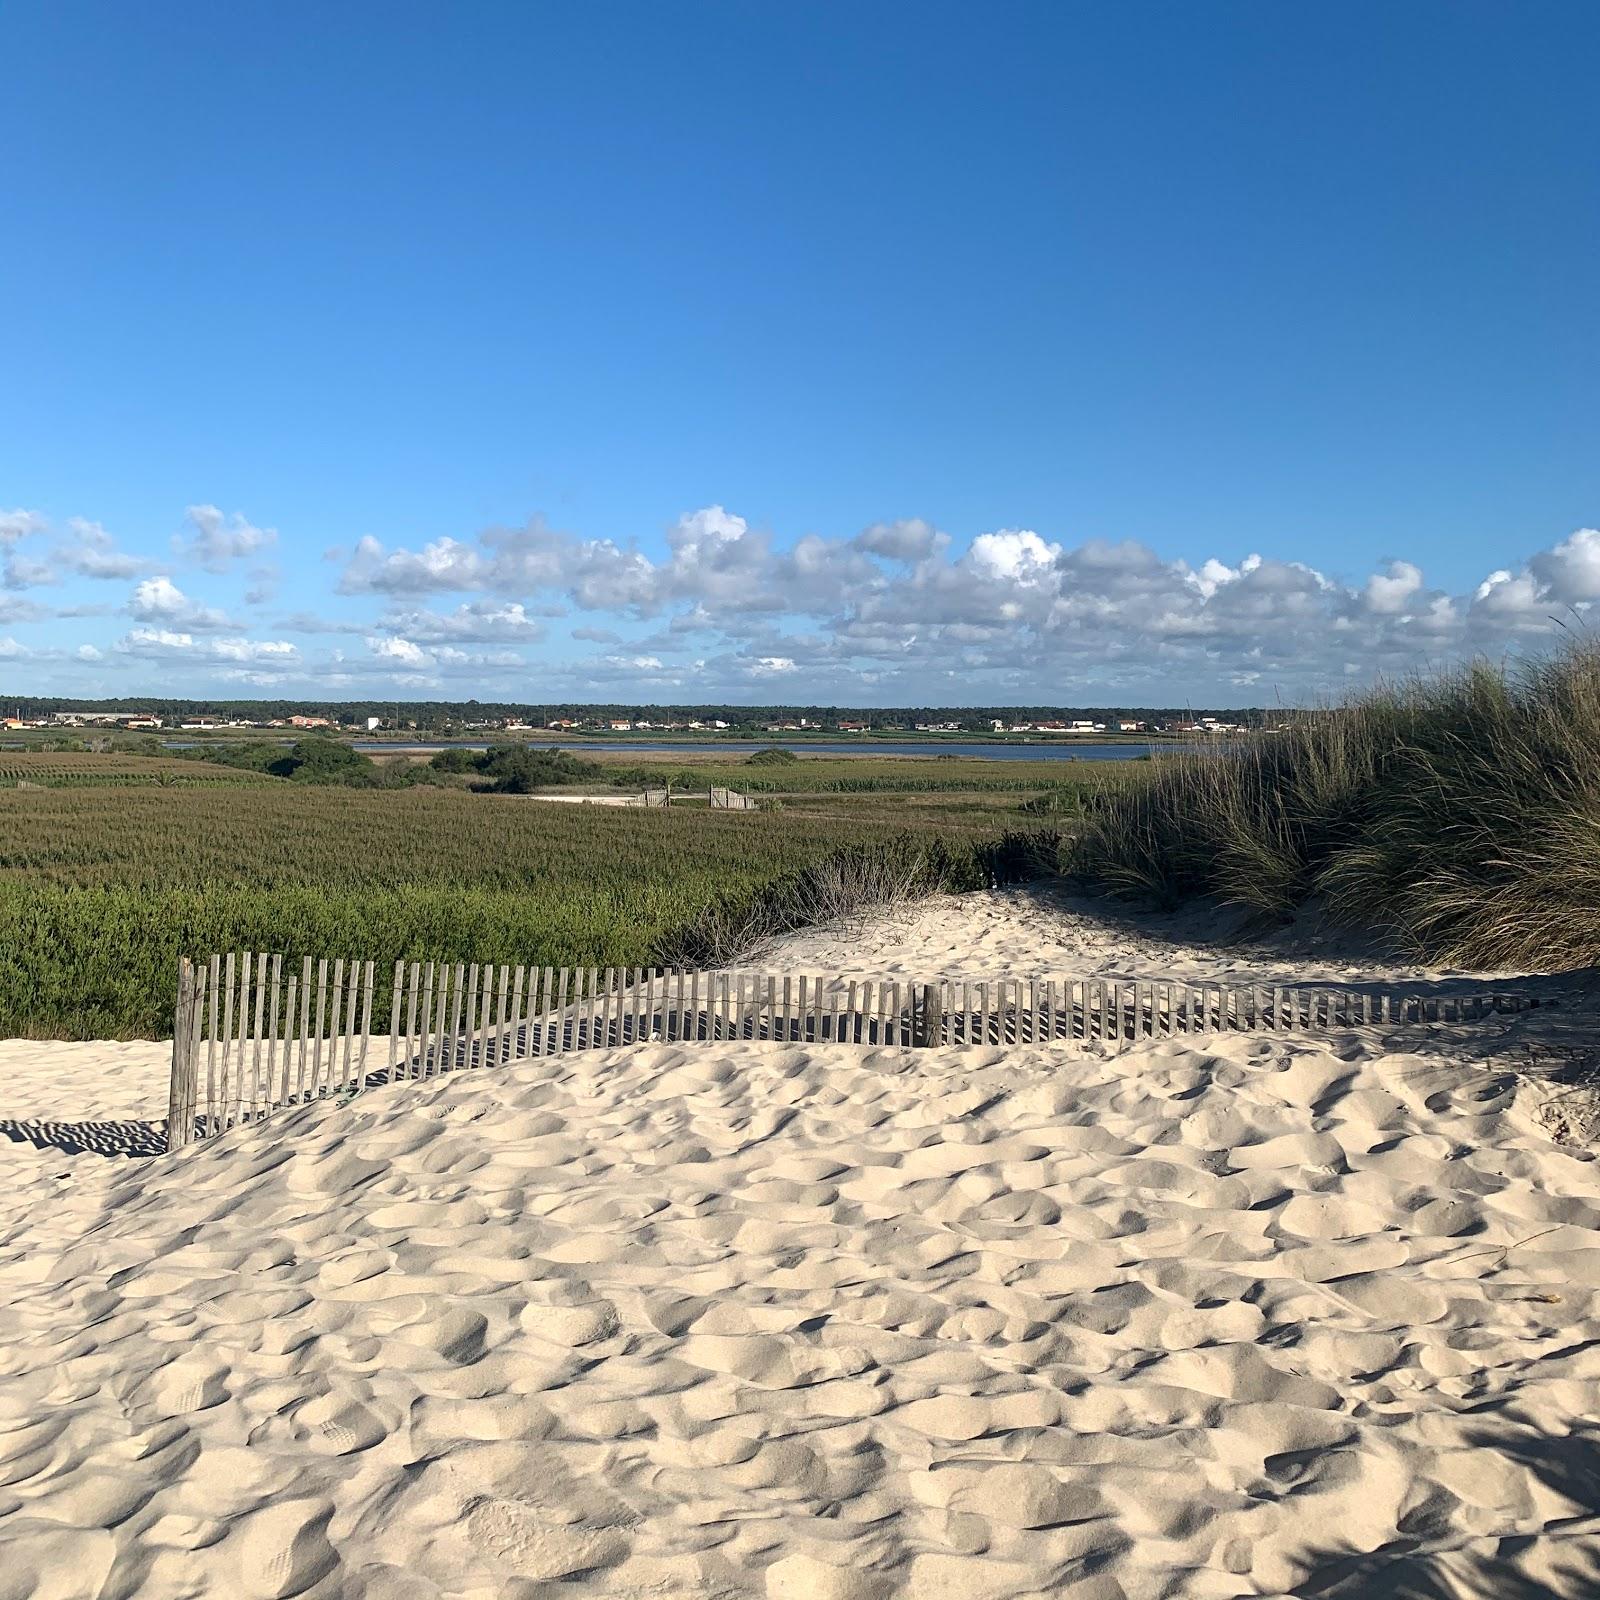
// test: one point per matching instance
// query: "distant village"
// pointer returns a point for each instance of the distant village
(148, 722)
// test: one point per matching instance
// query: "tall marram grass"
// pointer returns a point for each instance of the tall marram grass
(1459, 813)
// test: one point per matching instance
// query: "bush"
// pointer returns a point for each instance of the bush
(772, 758)
(1460, 813)
(457, 760)
(517, 768)
(326, 761)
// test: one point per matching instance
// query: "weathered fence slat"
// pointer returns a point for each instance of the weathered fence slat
(267, 1044)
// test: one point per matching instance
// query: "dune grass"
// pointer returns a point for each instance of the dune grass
(1459, 813)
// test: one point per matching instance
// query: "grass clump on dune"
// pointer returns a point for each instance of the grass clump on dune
(1460, 813)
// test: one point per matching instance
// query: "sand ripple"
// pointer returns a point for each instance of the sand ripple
(1265, 1317)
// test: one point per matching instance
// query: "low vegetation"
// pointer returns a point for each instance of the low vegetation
(518, 769)
(76, 770)
(102, 889)
(1459, 813)
(884, 775)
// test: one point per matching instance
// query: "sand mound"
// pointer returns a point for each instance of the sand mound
(1041, 927)
(1217, 1317)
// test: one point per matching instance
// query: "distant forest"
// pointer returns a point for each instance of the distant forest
(440, 713)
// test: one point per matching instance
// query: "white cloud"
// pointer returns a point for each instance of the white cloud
(909, 540)
(1508, 596)
(442, 565)
(1390, 593)
(11, 650)
(216, 541)
(897, 611)
(14, 610)
(1570, 573)
(159, 600)
(19, 524)
(710, 526)
(1017, 555)
(1213, 574)
(479, 621)
(91, 552)
(170, 643)
(83, 549)
(404, 651)
(429, 662)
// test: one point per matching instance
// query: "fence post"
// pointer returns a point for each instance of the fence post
(185, 1082)
(925, 1022)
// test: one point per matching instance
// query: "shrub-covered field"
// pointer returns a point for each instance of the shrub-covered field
(876, 775)
(68, 769)
(1461, 813)
(101, 889)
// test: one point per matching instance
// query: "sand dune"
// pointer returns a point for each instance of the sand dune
(1041, 928)
(1206, 1317)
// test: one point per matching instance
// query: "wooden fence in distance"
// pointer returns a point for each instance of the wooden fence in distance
(252, 1035)
(721, 799)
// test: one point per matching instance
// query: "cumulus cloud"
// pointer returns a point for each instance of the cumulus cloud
(215, 541)
(82, 549)
(172, 644)
(1570, 573)
(421, 665)
(404, 651)
(13, 609)
(160, 600)
(1013, 555)
(478, 621)
(897, 611)
(19, 524)
(1391, 592)
(901, 608)
(91, 552)
(909, 540)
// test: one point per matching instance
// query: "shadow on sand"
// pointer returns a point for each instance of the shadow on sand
(128, 1138)
(1566, 1551)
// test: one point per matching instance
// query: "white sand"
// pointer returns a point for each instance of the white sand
(1224, 1316)
(1036, 928)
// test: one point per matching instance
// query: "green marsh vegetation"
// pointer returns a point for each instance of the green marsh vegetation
(104, 885)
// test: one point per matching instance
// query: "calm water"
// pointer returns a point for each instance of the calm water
(988, 752)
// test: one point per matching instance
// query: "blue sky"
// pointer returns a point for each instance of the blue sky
(871, 354)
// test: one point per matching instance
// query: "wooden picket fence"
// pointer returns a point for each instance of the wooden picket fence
(251, 1035)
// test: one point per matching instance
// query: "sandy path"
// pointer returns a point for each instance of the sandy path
(1035, 928)
(1203, 1317)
